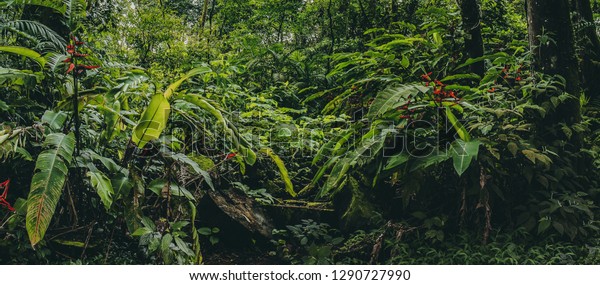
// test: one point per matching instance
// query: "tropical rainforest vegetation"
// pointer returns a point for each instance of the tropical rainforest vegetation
(299, 132)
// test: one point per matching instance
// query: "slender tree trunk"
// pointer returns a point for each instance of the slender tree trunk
(331, 34)
(210, 17)
(203, 18)
(471, 18)
(280, 28)
(553, 47)
(394, 15)
(589, 46)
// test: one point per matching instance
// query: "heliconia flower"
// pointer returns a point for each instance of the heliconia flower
(80, 54)
(67, 60)
(426, 76)
(3, 201)
(518, 78)
(231, 155)
(70, 51)
(79, 43)
(70, 47)
(71, 67)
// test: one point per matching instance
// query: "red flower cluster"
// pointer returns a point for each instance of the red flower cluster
(405, 107)
(505, 73)
(231, 155)
(72, 50)
(3, 201)
(439, 89)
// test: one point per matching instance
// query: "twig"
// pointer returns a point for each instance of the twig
(109, 243)
(87, 239)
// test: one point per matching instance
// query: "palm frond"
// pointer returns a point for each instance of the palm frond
(36, 32)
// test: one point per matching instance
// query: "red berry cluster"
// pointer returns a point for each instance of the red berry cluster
(72, 50)
(405, 108)
(505, 74)
(439, 89)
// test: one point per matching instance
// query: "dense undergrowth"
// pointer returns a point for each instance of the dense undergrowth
(295, 132)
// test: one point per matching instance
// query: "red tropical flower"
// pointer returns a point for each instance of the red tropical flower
(3, 201)
(231, 155)
(427, 76)
(71, 67)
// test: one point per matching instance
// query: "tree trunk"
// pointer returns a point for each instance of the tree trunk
(553, 46)
(331, 35)
(589, 45)
(471, 18)
(203, 19)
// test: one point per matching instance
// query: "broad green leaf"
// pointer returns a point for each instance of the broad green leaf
(121, 185)
(482, 58)
(194, 72)
(185, 159)
(437, 39)
(152, 122)
(461, 76)
(205, 231)
(513, 148)
(165, 246)
(530, 154)
(544, 225)
(248, 154)
(178, 226)
(458, 126)
(180, 191)
(141, 231)
(432, 159)
(463, 153)
(26, 53)
(405, 61)
(397, 160)
(55, 120)
(183, 246)
(289, 187)
(370, 144)
(394, 97)
(51, 170)
(241, 146)
(103, 187)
